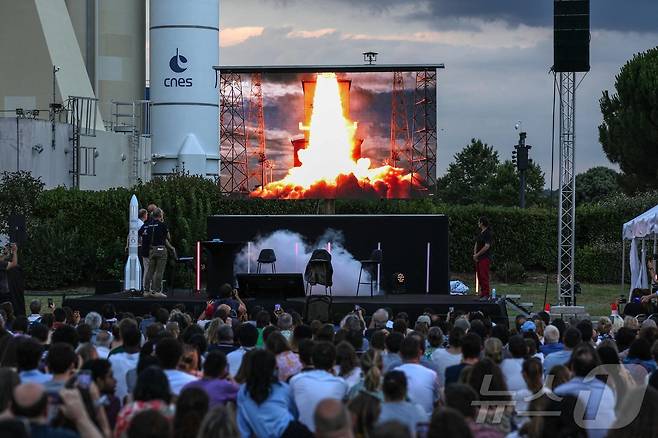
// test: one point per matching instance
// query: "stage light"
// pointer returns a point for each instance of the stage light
(399, 283)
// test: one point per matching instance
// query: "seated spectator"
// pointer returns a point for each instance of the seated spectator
(30, 402)
(644, 422)
(365, 410)
(103, 342)
(463, 398)
(299, 334)
(434, 341)
(94, 320)
(310, 387)
(347, 364)
(306, 354)
(8, 381)
(512, 367)
(265, 404)
(639, 354)
(149, 424)
(572, 338)
(604, 328)
(62, 363)
(247, 337)
(449, 422)
(392, 357)
(332, 420)
(126, 360)
(28, 355)
(66, 334)
(152, 392)
(493, 349)
(326, 333)
(495, 401)
(447, 357)
(551, 341)
(191, 407)
(86, 352)
(598, 397)
(219, 422)
(284, 324)
(263, 320)
(220, 337)
(287, 362)
(35, 311)
(377, 322)
(169, 352)
(395, 406)
(422, 383)
(20, 325)
(371, 376)
(39, 332)
(471, 346)
(216, 382)
(101, 375)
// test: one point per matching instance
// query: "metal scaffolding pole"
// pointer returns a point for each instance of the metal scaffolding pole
(233, 147)
(567, 207)
(400, 144)
(424, 143)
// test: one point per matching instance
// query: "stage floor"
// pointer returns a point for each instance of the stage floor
(413, 304)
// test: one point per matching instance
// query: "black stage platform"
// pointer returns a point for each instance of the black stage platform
(413, 304)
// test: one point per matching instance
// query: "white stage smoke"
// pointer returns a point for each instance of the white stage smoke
(293, 253)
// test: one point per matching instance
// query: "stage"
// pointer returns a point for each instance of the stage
(413, 304)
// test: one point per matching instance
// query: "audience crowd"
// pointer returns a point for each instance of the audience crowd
(230, 372)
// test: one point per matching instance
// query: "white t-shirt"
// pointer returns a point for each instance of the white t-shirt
(444, 359)
(422, 385)
(234, 360)
(513, 372)
(310, 388)
(121, 364)
(178, 379)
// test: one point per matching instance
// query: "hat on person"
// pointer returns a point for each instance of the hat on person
(424, 318)
(528, 326)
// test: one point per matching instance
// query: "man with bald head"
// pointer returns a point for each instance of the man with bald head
(377, 322)
(30, 401)
(332, 420)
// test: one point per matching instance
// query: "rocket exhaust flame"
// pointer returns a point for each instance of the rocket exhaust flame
(328, 169)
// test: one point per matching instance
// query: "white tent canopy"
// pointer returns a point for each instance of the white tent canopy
(639, 229)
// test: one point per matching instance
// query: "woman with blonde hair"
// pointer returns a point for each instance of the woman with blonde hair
(371, 376)
(493, 349)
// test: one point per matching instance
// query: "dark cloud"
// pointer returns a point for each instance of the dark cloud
(635, 15)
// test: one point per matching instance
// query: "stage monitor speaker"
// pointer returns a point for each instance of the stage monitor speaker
(271, 285)
(17, 230)
(571, 36)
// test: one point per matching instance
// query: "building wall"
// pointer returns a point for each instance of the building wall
(111, 166)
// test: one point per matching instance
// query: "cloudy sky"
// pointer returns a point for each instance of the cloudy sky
(497, 55)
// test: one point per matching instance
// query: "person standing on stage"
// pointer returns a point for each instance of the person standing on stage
(143, 243)
(482, 256)
(160, 241)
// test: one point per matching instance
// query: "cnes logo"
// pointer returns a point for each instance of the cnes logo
(177, 64)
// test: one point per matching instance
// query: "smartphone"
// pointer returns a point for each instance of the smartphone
(50, 302)
(451, 309)
(357, 307)
(84, 379)
(277, 307)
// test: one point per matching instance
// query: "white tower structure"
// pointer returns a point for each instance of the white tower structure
(184, 47)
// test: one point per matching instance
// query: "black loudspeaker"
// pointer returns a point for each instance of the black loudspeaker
(318, 307)
(17, 231)
(271, 285)
(571, 35)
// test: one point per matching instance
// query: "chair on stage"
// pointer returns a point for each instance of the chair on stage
(319, 271)
(370, 267)
(266, 257)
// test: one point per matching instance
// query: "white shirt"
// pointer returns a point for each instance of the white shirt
(422, 385)
(121, 364)
(33, 317)
(352, 378)
(234, 360)
(513, 372)
(444, 359)
(310, 388)
(103, 352)
(178, 379)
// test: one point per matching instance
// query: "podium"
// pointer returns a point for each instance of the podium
(220, 256)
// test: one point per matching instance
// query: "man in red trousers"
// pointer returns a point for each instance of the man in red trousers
(482, 256)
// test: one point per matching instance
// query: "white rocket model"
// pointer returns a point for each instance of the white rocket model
(184, 47)
(133, 272)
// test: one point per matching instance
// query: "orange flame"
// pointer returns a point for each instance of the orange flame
(328, 169)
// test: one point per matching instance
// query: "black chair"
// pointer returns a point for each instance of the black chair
(370, 267)
(319, 271)
(266, 257)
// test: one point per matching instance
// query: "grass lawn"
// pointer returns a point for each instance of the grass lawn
(596, 298)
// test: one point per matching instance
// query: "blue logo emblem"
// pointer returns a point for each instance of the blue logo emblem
(176, 61)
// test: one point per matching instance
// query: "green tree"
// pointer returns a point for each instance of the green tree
(467, 178)
(503, 187)
(629, 132)
(596, 184)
